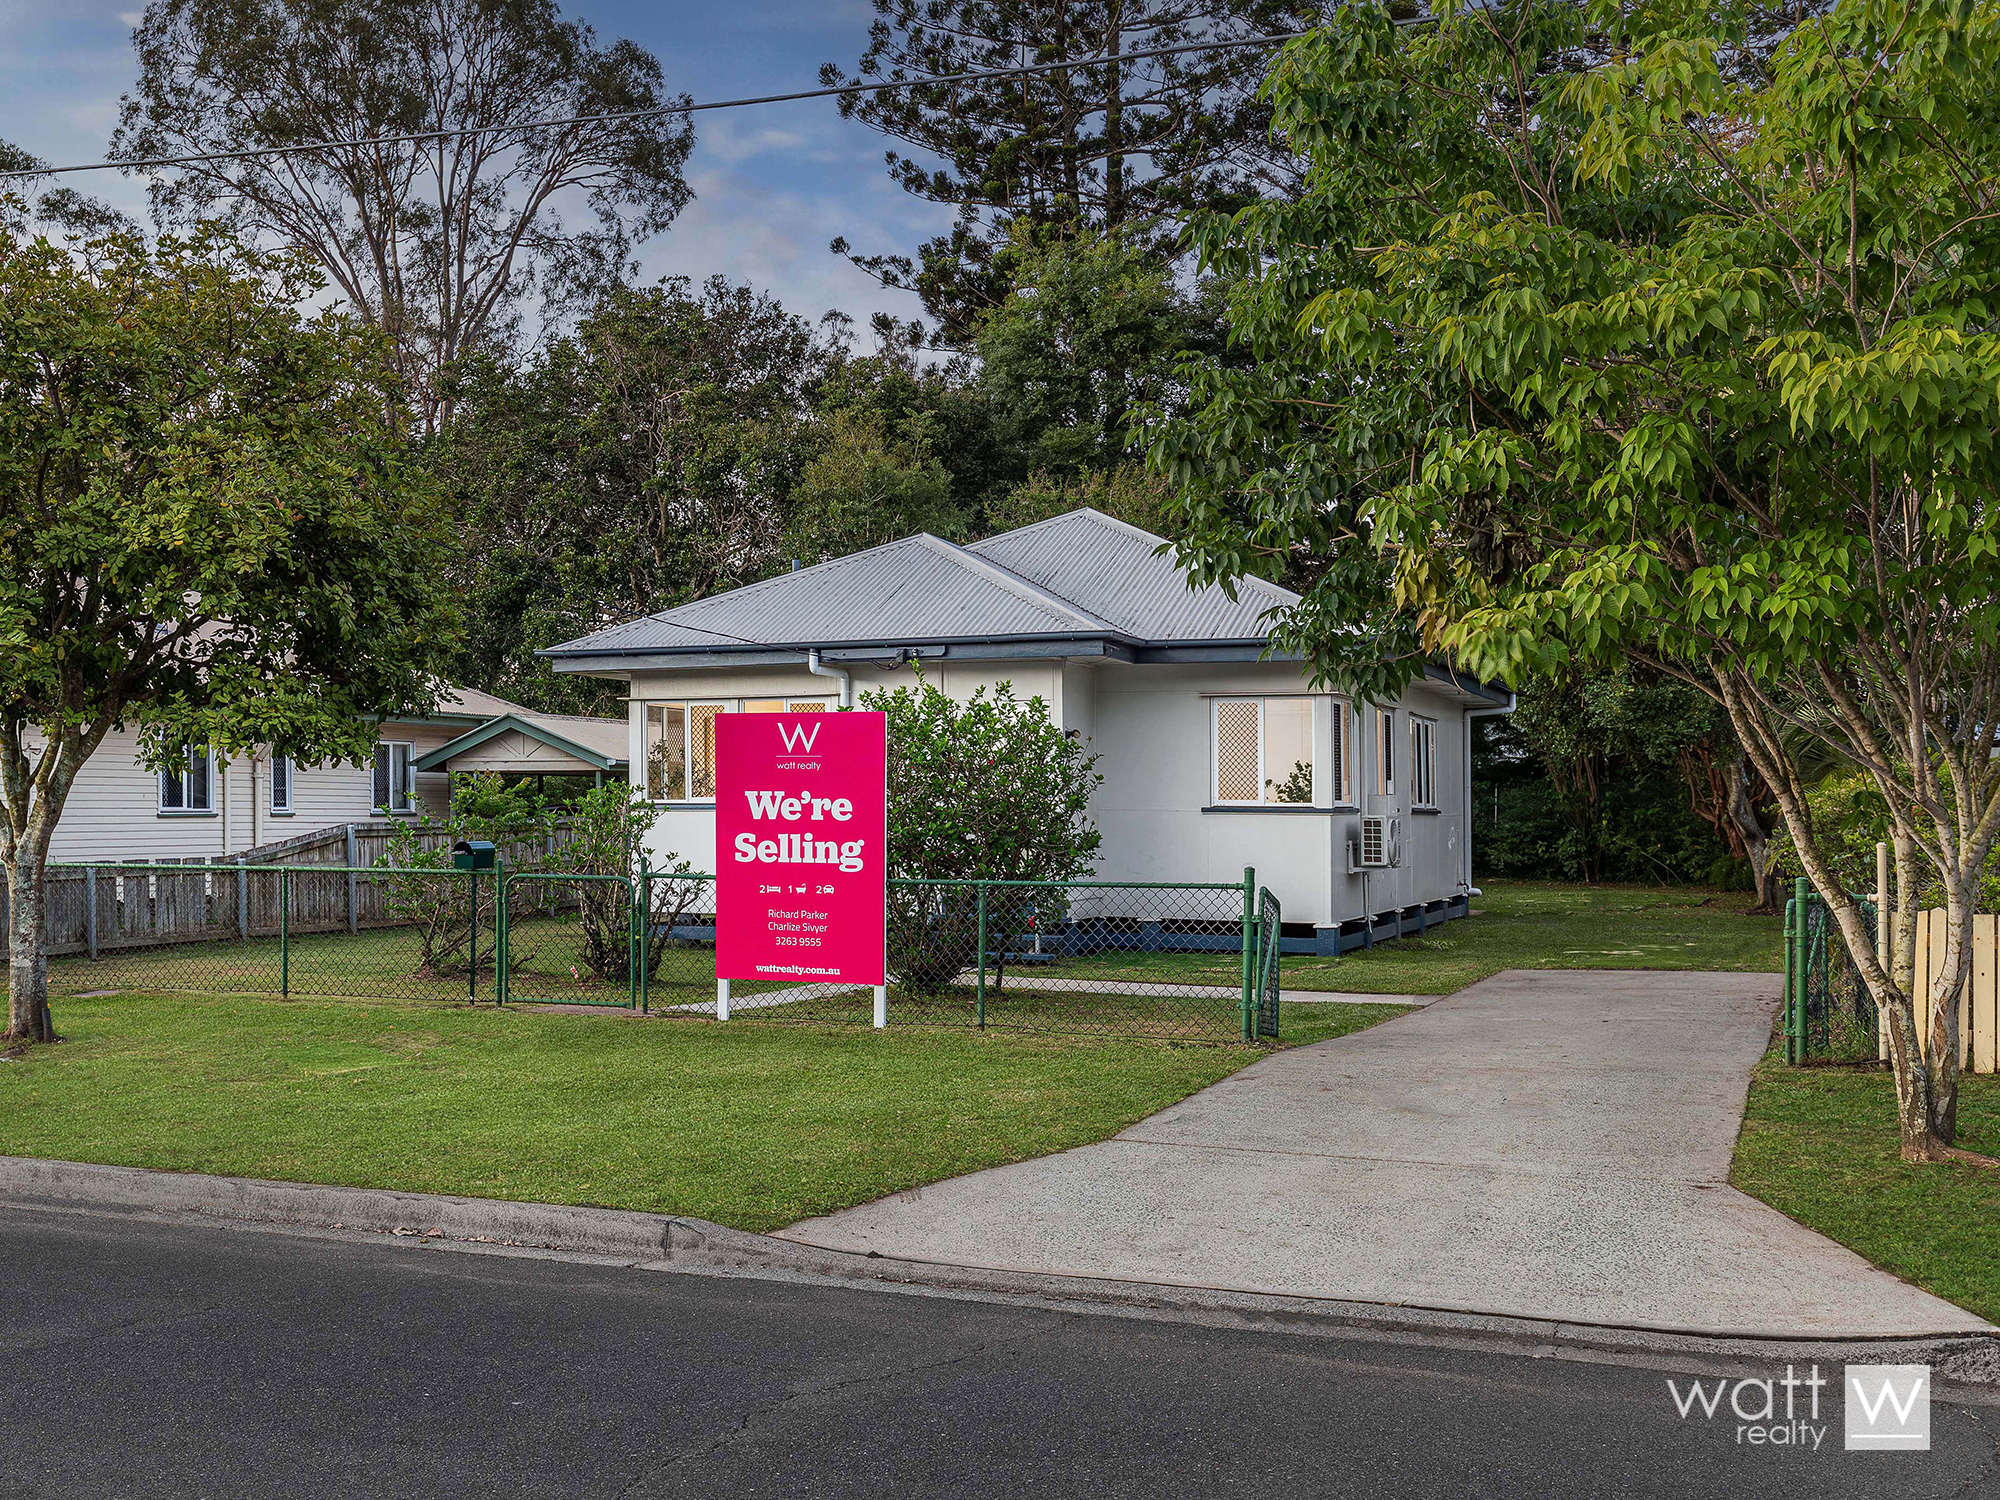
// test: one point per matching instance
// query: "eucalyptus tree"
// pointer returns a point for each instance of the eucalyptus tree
(441, 240)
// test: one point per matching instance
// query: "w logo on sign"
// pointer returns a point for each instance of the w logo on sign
(798, 737)
(1889, 1406)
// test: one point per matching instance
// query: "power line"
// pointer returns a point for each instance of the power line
(156, 162)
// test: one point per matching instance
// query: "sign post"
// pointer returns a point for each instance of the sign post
(801, 846)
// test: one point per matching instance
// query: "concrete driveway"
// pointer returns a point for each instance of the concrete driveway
(1543, 1145)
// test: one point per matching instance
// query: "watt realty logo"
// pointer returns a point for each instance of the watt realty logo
(798, 737)
(1889, 1406)
(1886, 1406)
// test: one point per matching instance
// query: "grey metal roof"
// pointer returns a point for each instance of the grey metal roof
(1116, 570)
(1078, 575)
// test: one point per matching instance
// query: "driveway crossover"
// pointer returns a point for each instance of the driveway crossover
(1543, 1145)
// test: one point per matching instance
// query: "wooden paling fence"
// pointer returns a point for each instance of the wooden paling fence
(1978, 1005)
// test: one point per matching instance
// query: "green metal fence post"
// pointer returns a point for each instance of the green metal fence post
(472, 937)
(285, 932)
(1797, 1019)
(1249, 955)
(981, 897)
(501, 934)
(631, 946)
(1791, 966)
(642, 920)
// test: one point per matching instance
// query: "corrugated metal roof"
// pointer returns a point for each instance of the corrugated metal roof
(1117, 571)
(1082, 574)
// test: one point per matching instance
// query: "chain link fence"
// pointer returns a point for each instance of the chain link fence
(1182, 962)
(1829, 1015)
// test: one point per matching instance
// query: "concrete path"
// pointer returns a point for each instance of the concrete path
(1544, 1145)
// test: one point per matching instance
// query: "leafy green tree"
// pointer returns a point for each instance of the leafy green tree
(988, 789)
(637, 464)
(1130, 492)
(209, 530)
(864, 488)
(1091, 330)
(1601, 347)
(439, 242)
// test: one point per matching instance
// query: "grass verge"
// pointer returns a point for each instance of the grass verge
(1820, 1145)
(747, 1124)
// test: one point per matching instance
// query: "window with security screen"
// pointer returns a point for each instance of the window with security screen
(1264, 751)
(1423, 762)
(680, 742)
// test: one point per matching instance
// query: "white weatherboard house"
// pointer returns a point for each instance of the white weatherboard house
(1213, 757)
(206, 807)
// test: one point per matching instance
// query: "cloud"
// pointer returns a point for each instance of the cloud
(130, 17)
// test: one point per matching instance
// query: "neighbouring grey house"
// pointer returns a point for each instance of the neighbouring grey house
(1214, 756)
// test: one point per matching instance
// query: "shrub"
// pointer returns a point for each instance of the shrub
(989, 789)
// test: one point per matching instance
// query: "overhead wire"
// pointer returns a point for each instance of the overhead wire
(246, 153)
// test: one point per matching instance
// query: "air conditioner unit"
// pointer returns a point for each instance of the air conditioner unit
(1381, 843)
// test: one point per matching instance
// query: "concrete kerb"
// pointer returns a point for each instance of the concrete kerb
(1969, 1363)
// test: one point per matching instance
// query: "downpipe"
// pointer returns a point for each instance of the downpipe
(841, 674)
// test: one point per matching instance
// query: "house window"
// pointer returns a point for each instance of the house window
(680, 742)
(1263, 750)
(1423, 762)
(1341, 772)
(395, 780)
(1385, 752)
(188, 784)
(281, 784)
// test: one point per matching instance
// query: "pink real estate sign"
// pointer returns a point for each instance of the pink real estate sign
(801, 845)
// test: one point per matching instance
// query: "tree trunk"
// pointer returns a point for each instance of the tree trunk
(28, 1018)
(1750, 830)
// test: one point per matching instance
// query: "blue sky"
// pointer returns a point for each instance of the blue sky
(772, 184)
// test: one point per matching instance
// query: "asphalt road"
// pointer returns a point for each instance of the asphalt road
(140, 1360)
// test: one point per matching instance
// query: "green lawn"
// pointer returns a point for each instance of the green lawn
(750, 1125)
(1820, 1145)
(1519, 925)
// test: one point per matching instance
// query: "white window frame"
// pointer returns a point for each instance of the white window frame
(1423, 762)
(284, 808)
(1385, 752)
(409, 787)
(187, 756)
(1342, 776)
(793, 703)
(1215, 797)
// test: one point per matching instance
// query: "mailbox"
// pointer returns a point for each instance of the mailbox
(472, 854)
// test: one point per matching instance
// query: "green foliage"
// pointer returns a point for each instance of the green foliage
(1129, 492)
(1603, 334)
(632, 466)
(1132, 145)
(605, 834)
(208, 527)
(988, 789)
(864, 488)
(437, 908)
(1088, 331)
